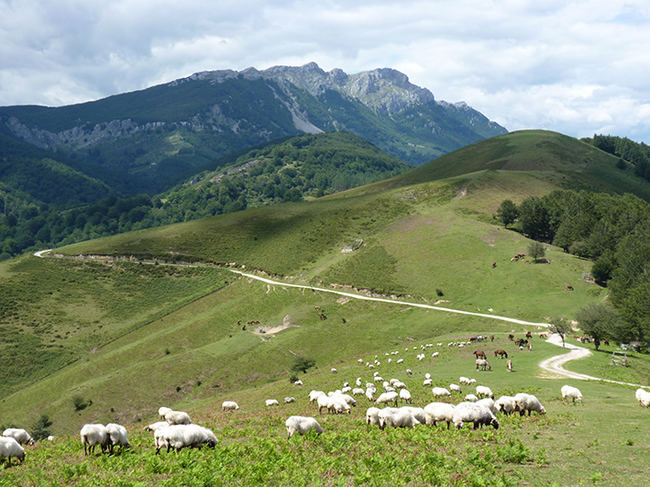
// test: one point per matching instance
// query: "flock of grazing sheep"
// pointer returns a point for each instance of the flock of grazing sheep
(176, 431)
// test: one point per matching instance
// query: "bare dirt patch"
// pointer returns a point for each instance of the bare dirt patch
(269, 331)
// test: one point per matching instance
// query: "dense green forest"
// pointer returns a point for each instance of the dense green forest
(289, 170)
(611, 230)
(636, 153)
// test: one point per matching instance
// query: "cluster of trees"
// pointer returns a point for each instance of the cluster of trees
(636, 153)
(306, 166)
(611, 230)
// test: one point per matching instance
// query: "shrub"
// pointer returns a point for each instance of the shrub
(302, 364)
(80, 403)
(40, 427)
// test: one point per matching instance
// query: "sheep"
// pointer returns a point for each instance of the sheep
(470, 398)
(163, 411)
(297, 382)
(387, 397)
(378, 378)
(417, 413)
(349, 400)
(333, 370)
(409, 372)
(181, 436)
(572, 393)
(229, 406)
(643, 397)
(338, 405)
(484, 391)
(427, 382)
(357, 391)
(440, 392)
(358, 382)
(323, 401)
(301, 425)
(20, 435)
(372, 416)
(287, 400)
(505, 404)
(272, 402)
(400, 360)
(9, 449)
(117, 437)
(528, 402)
(435, 354)
(427, 375)
(464, 380)
(405, 395)
(156, 425)
(360, 360)
(397, 418)
(468, 412)
(177, 417)
(370, 394)
(455, 388)
(313, 395)
(93, 435)
(439, 411)
(483, 364)
(488, 403)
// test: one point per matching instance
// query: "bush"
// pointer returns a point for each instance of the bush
(40, 428)
(536, 250)
(302, 364)
(80, 403)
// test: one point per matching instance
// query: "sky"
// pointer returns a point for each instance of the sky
(576, 67)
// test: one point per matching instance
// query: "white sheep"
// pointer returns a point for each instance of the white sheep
(156, 425)
(571, 392)
(417, 413)
(505, 404)
(455, 388)
(338, 405)
(484, 391)
(297, 382)
(387, 397)
(357, 391)
(333, 370)
(372, 416)
(93, 435)
(358, 382)
(439, 411)
(370, 394)
(272, 402)
(162, 411)
(396, 418)
(20, 435)
(427, 382)
(313, 395)
(488, 403)
(405, 395)
(378, 378)
(181, 436)
(360, 360)
(427, 375)
(289, 399)
(117, 436)
(346, 389)
(348, 399)
(301, 425)
(229, 406)
(464, 380)
(468, 412)
(323, 401)
(50, 438)
(643, 397)
(435, 354)
(177, 417)
(440, 392)
(400, 361)
(409, 372)
(470, 398)
(10, 448)
(528, 402)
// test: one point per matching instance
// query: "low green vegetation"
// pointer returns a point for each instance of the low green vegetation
(635, 153)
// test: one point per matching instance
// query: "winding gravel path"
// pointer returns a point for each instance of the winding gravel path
(553, 366)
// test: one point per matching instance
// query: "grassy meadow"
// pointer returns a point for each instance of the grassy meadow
(127, 337)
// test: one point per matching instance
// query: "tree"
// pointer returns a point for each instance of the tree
(302, 364)
(535, 219)
(507, 212)
(603, 268)
(536, 250)
(561, 327)
(598, 321)
(40, 427)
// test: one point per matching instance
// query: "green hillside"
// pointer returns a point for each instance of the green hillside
(564, 161)
(158, 320)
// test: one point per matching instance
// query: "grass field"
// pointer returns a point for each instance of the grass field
(600, 442)
(128, 337)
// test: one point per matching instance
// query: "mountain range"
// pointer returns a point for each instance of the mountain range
(148, 140)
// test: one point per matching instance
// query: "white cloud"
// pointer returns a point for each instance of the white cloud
(573, 66)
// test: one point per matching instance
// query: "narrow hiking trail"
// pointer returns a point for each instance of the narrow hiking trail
(552, 366)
